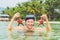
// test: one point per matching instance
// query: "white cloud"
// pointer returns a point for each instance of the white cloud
(10, 3)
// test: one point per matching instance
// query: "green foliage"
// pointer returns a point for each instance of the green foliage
(36, 7)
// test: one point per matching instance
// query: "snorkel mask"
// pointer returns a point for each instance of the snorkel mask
(30, 17)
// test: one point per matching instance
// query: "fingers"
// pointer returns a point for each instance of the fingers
(17, 15)
(44, 16)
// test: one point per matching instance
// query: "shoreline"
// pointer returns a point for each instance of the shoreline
(37, 21)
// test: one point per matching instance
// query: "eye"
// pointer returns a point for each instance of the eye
(32, 21)
(28, 21)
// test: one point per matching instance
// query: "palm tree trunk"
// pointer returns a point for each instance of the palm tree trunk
(35, 16)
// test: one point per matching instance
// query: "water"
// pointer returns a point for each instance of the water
(4, 33)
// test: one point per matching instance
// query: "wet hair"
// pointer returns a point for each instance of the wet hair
(30, 17)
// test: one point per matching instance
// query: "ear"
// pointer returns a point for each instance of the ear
(33, 25)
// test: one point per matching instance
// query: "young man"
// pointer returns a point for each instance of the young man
(29, 24)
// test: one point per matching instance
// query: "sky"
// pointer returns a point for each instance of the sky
(10, 3)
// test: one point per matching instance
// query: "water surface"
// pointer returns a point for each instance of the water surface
(6, 35)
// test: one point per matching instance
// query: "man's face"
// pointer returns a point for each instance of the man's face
(30, 23)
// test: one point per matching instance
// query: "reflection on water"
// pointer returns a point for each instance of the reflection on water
(20, 35)
(15, 35)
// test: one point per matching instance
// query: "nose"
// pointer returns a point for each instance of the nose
(30, 24)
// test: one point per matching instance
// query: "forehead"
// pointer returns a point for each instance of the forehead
(30, 20)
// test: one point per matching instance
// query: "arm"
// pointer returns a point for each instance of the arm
(12, 20)
(48, 27)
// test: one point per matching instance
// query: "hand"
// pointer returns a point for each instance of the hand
(44, 16)
(17, 15)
